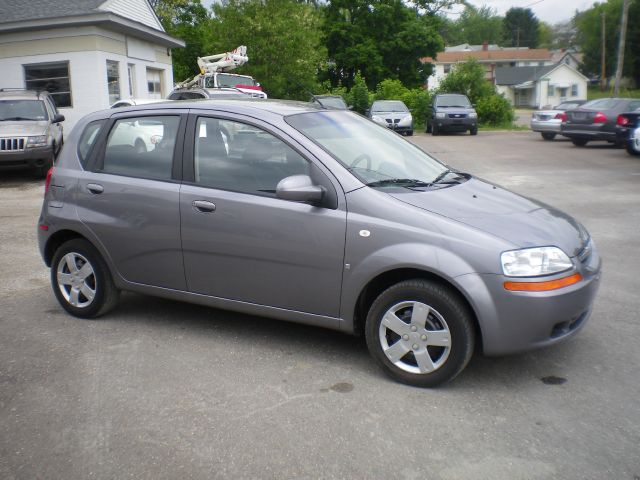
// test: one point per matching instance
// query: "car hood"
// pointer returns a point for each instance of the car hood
(522, 221)
(22, 128)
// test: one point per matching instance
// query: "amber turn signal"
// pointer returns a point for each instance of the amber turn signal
(543, 286)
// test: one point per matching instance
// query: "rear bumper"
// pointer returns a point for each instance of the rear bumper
(514, 322)
(545, 126)
(29, 157)
(585, 133)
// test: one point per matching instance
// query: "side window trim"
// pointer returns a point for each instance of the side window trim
(188, 163)
(97, 154)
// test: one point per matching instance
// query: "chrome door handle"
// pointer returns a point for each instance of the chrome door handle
(204, 206)
(95, 188)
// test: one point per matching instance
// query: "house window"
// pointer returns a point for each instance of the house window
(447, 68)
(131, 71)
(541, 64)
(113, 81)
(50, 77)
(574, 90)
(154, 83)
(551, 91)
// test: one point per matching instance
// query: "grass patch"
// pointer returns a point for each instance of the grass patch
(593, 93)
(504, 126)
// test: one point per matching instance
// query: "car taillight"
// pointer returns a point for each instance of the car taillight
(47, 181)
(561, 116)
(623, 121)
(600, 118)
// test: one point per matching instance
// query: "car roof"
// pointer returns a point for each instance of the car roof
(245, 105)
(21, 94)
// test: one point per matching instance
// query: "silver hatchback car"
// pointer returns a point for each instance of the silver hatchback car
(321, 217)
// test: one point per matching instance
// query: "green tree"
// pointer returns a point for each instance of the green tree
(359, 94)
(479, 25)
(283, 40)
(380, 38)
(189, 21)
(521, 28)
(588, 26)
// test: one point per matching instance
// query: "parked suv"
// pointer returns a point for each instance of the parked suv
(316, 216)
(451, 112)
(30, 130)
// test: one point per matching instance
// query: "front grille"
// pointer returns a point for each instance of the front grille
(12, 144)
(457, 115)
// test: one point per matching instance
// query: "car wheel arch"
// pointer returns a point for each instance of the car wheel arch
(386, 279)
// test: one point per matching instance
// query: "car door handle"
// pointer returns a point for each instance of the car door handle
(204, 206)
(95, 188)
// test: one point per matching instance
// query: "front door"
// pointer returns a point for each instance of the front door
(239, 241)
(129, 198)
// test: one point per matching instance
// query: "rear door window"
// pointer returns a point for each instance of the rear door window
(142, 147)
(88, 139)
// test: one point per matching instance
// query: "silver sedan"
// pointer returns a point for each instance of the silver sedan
(548, 122)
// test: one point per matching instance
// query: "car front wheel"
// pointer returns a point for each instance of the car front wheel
(81, 280)
(420, 332)
(578, 142)
(633, 144)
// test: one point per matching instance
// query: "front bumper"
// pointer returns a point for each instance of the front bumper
(455, 124)
(551, 126)
(513, 322)
(29, 157)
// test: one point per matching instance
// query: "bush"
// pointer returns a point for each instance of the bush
(494, 110)
(359, 95)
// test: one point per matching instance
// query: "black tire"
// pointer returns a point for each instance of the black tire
(631, 150)
(579, 142)
(106, 294)
(410, 133)
(428, 129)
(444, 304)
(548, 135)
(41, 171)
(435, 130)
(473, 131)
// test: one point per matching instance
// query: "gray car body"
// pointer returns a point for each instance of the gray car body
(313, 265)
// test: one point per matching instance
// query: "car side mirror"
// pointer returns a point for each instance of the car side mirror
(299, 188)
(57, 118)
(350, 107)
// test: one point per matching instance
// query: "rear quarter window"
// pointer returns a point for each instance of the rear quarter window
(88, 139)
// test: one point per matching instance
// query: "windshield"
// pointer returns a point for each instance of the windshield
(446, 101)
(601, 104)
(332, 102)
(389, 106)
(22, 110)
(372, 153)
(229, 80)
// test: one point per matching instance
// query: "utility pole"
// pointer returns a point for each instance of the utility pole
(603, 75)
(623, 41)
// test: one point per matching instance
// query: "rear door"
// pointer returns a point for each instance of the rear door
(240, 242)
(129, 195)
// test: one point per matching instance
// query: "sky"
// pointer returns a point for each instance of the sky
(550, 11)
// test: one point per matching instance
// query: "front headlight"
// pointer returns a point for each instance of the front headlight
(440, 115)
(473, 115)
(406, 120)
(39, 141)
(532, 262)
(378, 118)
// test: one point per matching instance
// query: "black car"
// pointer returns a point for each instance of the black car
(452, 112)
(596, 120)
(628, 131)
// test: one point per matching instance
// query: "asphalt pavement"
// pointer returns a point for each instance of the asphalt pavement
(160, 389)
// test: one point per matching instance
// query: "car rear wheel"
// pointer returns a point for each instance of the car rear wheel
(579, 142)
(548, 135)
(420, 332)
(81, 280)
(633, 144)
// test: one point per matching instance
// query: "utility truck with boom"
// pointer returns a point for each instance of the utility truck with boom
(214, 73)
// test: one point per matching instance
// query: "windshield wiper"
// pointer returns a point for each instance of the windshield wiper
(440, 177)
(401, 182)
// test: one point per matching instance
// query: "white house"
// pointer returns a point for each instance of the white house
(87, 53)
(491, 57)
(540, 86)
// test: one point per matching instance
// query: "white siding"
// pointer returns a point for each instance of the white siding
(136, 10)
(563, 77)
